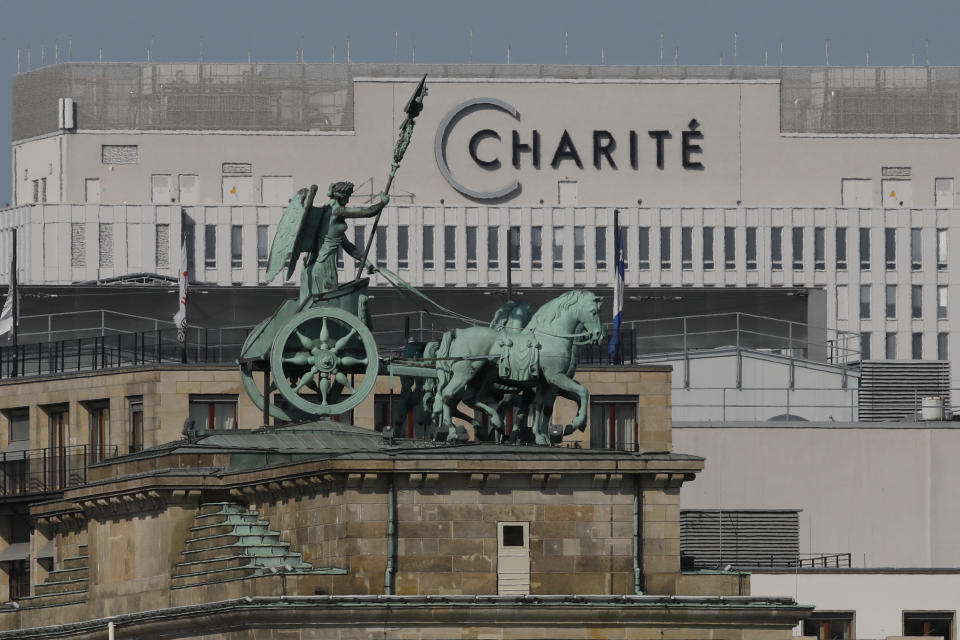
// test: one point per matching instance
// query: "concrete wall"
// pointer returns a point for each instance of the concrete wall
(877, 600)
(886, 495)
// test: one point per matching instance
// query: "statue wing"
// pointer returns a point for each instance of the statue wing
(287, 239)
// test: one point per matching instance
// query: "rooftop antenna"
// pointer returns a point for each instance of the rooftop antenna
(348, 49)
(764, 57)
(603, 56)
(249, 57)
(18, 59)
(152, 37)
(926, 51)
(470, 47)
(201, 49)
(721, 58)
(868, 57)
(396, 43)
(676, 55)
(565, 36)
(508, 53)
(661, 49)
(913, 57)
(734, 47)
(413, 54)
(43, 54)
(56, 51)
(826, 50)
(28, 57)
(333, 54)
(69, 48)
(301, 47)
(100, 54)
(781, 53)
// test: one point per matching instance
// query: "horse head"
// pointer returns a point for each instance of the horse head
(588, 313)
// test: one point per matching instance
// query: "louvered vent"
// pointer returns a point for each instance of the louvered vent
(750, 538)
(78, 245)
(106, 244)
(892, 390)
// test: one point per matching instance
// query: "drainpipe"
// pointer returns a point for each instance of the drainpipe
(390, 573)
(110, 631)
(637, 538)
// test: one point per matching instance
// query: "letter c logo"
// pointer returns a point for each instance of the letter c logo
(440, 145)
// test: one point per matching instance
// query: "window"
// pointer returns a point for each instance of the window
(471, 247)
(99, 430)
(513, 535)
(428, 247)
(941, 249)
(643, 246)
(776, 248)
(841, 248)
(135, 423)
(864, 248)
(263, 247)
(890, 248)
(36, 191)
(600, 247)
(403, 247)
(78, 245)
(59, 432)
(916, 249)
(729, 248)
(942, 352)
(891, 301)
(19, 425)
(829, 625)
(941, 301)
(798, 248)
(105, 232)
(493, 248)
(708, 248)
(19, 573)
(91, 190)
(557, 248)
(928, 623)
(119, 154)
(276, 190)
(664, 247)
(210, 246)
(214, 411)
(381, 257)
(843, 302)
(916, 345)
(359, 237)
(943, 193)
(686, 247)
(890, 345)
(864, 301)
(916, 301)
(579, 250)
(43, 189)
(536, 247)
(236, 246)
(865, 345)
(160, 188)
(449, 247)
(162, 249)
(819, 262)
(382, 410)
(751, 248)
(613, 423)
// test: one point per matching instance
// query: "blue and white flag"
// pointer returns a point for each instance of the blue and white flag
(617, 298)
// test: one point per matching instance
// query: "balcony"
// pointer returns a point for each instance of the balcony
(35, 471)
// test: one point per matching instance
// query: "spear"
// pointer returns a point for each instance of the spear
(413, 109)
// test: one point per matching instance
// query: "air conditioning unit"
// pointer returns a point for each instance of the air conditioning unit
(66, 113)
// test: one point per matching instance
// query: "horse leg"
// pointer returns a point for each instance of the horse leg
(453, 392)
(572, 389)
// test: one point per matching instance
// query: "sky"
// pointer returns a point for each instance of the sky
(895, 32)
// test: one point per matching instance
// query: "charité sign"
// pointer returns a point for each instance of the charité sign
(491, 150)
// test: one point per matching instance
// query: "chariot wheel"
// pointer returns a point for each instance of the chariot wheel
(317, 351)
(255, 391)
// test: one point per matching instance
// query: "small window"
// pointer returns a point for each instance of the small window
(381, 257)
(941, 249)
(236, 246)
(536, 247)
(798, 248)
(841, 247)
(99, 413)
(865, 345)
(864, 301)
(263, 246)
(403, 247)
(449, 247)
(776, 248)
(891, 301)
(708, 248)
(928, 623)
(600, 247)
(493, 248)
(864, 249)
(579, 249)
(427, 247)
(557, 248)
(829, 625)
(941, 301)
(819, 251)
(513, 535)
(729, 248)
(916, 345)
(210, 246)
(613, 423)
(916, 301)
(916, 249)
(842, 302)
(890, 248)
(214, 411)
(36, 191)
(135, 423)
(890, 344)
(19, 575)
(471, 233)
(43, 189)
(664, 247)
(18, 429)
(163, 246)
(942, 351)
(751, 248)
(643, 245)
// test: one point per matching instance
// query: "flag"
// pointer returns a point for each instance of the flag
(7, 321)
(180, 317)
(617, 298)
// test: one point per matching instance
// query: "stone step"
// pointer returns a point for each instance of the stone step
(68, 574)
(53, 599)
(228, 518)
(216, 575)
(75, 562)
(242, 528)
(61, 586)
(210, 553)
(294, 560)
(211, 508)
(251, 540)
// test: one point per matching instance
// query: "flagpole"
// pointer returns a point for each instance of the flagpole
(616, 272)
(16, 303)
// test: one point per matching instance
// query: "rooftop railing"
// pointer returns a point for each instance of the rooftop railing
(51, 469)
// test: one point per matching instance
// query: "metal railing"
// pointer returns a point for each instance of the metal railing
(50, 469)
(828, 561)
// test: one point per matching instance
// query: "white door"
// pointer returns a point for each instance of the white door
(160, 188)
(91, 190)
(897, 193)
(276, 189)
(943, 193)
(567, 193)
(238, 190)
(189, 187)
(856, 192)
(513, 558)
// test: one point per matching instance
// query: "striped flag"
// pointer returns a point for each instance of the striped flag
(617, 297)
(180, 318)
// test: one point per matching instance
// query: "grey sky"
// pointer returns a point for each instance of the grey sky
(628, 32)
